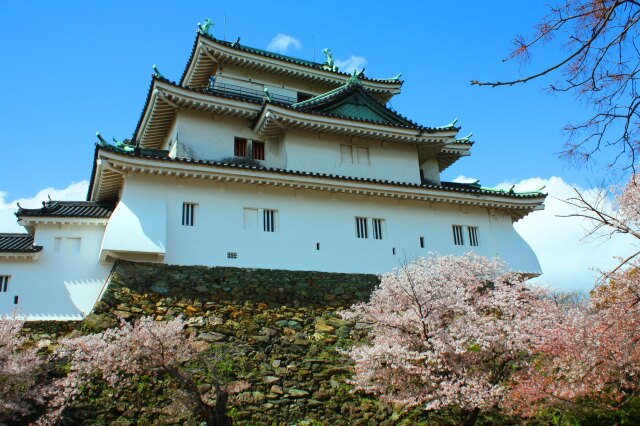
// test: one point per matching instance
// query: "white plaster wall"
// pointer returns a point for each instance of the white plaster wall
(317, 152)
(138, 223)
(307, 217)
(211, 137)
(59, 285)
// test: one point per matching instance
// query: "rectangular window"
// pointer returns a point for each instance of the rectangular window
(240, 147)
(473, 235)
(346, 153)
(457, 235)
(66, 245)
(377, 225)
(421, 242)
(363, 155)
(362, 230)
(257, 150)
(269, 220)
(250, 219)
(188, 214)
(4, 283)
(73, 245)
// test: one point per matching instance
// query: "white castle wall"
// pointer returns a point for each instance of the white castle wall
(66, 279)
(209, 137)
(320, 153)
(305, 218)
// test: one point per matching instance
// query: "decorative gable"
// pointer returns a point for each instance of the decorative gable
(354, 102)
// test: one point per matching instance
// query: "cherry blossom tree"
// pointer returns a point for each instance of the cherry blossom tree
(592, 354)
(21, 383)
(449, 332)
(146, 346)
(599, 64)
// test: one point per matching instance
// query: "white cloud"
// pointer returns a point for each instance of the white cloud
(353, 63)
(75, 191)
(464, 179)
(282, 42)
(568, 261)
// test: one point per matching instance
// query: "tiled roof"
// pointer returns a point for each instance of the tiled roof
(17, 243)
(285, 58)
(444, 186)
(80, 209)
(306, 106)
(319, 105)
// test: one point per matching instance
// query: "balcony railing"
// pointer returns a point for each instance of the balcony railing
(232, 89)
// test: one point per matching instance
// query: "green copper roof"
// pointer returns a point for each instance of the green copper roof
(352, 100)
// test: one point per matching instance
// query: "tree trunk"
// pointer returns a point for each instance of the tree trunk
(217, 414)
(472, 417)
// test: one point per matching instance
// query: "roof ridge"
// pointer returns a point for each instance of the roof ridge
(287, 58)
(354, 85)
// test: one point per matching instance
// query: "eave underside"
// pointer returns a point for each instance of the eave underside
(129, 164)
(209, 53)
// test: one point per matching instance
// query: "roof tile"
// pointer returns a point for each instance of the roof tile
(17, 243)
(81, 209)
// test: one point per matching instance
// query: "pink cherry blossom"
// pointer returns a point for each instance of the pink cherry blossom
(143, 347)
(449, 331)
(21, 386)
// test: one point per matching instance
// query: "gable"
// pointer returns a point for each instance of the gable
(359, 107)
(353, 102)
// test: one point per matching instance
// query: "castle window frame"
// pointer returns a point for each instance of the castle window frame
(472, 232)
(346, 153)
(240, 147)
(362, 227)
(189, 212)
(458, 235)
(257, 150)
(377, 226)
(255, 219)
(4, 283)
(269, 219)
(362, 154)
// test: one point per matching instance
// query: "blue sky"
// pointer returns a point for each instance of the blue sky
(70, 68)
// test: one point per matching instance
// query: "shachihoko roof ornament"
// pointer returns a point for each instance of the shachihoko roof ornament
(465, 139)
(236, 43)
(156, 72)
(204, 28)
(355, 77)
(450, 125)
(125, 146)
(329, 63)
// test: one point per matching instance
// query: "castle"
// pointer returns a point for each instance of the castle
(260, 160)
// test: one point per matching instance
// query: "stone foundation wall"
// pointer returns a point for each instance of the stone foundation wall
(279, 330)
